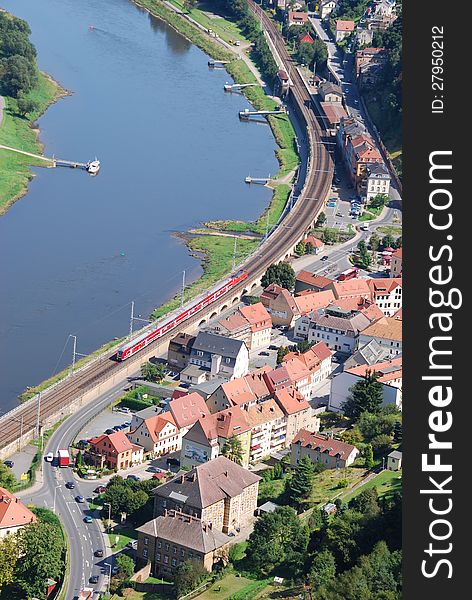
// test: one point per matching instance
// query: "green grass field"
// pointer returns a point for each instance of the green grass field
(387, 483)
(231, 584)
(17, 132)
(125, 534)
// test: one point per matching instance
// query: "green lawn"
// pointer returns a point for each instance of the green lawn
(126, 534)
(392, 230)
(229, 585)
(387, 482)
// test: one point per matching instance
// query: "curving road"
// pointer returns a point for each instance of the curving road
(280, 242)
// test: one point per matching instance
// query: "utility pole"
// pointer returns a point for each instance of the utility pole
(182, 295)
(131, 319)
(234, 253)
(38, 415)
(74, 352)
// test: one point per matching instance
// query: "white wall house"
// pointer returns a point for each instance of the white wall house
(340, 391)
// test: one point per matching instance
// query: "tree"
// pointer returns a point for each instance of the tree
(309, 248)
(374, 242)
(300, 248)
(41, 547)
(188, 576)
(364, 256)
(398, 432)
(79, 460)
(153, 372)
(124, 498)
(7, 479)
(387, 241)
(330, 236)
(381, 444)
(189, 4)
(19, 75)
(366, 503)
(26, 105)
(301, 483)
(282, 274)
(366, 396)
(379, 201)
(281, 352)
(233, 450)
(278, 538)
(369, 456)
(125, 565)
(306, 53)
(9, 554)
(321, 219)
(323, 569)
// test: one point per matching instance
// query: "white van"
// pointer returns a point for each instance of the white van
(49, 457)
(365, 227)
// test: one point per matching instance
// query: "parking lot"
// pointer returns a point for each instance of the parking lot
(264, 356)
(103, 421)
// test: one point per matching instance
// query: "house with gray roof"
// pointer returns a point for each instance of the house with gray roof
(175, 537)
(219, 492)
(214, 356)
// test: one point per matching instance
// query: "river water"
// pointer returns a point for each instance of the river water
(77, 249)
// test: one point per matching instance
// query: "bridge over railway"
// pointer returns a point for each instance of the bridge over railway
(93, 379)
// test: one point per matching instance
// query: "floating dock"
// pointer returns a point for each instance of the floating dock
(92, 167)
(235, 87)
(246, 114)
(217, 63)
(261, 180)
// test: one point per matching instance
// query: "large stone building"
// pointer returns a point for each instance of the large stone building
(219, 492)
(251, 324)
(175, 537)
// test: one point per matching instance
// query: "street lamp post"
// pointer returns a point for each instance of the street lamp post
(109, 515)
(109, 577)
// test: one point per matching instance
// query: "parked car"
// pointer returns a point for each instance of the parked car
(338, 214)
(88, 519)
(127, 424)
(8, 463)
(94, 579)
(132, 544)
(70, 485)
(109, 431)
(273, 347)
(117, 427)
(134, 477)
(49, 457)
(323, 258)
(263, 353)
(115, 570)
(79, 499)
(98, 553)
(153, 469)
(100, 489)
(173, 461)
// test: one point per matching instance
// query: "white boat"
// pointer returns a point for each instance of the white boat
(93, 166)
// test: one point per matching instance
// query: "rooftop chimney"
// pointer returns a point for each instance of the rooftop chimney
(182, 478)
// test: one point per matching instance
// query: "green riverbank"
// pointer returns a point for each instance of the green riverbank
(19, 132)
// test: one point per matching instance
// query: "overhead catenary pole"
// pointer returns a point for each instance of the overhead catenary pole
(234, 253)
(74, 348)
(131, 319)
(182, 294)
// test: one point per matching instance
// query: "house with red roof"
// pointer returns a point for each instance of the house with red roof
(316, 359)
(186, 410)
(344, 29)
(206, 439)
(252, 324)
(297, 18)
(322, 449)
(311, 281)
(114, 451)
(396, 263)
(298, 413)
(157, 435)
(387, 294)
(306, 39)
(13, 514)
(243, 392)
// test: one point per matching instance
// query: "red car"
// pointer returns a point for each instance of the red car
(99, 490)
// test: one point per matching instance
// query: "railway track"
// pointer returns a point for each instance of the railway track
(306, 209)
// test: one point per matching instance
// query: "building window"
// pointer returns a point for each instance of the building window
(159, 544)
(174, 562)
(146, 541)
(167, 546)
(166, 560)
(145, 552)
(158, 556)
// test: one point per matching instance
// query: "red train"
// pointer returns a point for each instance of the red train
(149, 336)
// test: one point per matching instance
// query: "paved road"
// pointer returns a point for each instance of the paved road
(84, 538)
(344, 73)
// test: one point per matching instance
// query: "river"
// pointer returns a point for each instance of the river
(77, 249)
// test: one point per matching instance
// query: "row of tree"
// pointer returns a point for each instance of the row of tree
(31, 556)
(249, 25)
(18, 69)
